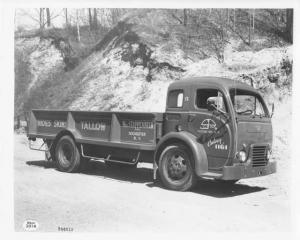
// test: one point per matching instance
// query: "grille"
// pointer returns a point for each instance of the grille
(259, 156)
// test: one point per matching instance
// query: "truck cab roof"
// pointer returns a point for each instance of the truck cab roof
(220, 82)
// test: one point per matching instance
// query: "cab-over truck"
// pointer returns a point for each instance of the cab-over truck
(213, 128)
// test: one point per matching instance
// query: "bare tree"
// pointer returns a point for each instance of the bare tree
(41, 21)
(234, 19)
(174, 15)
(77, 25)
(48, 17)
(116, 14)
(66, 17)
(249, 28)
(90, 19)
(228, 16)
(95, 20)
(185, 17)
(253, 18)
(205, 34)
(289, 24)
(42, 16)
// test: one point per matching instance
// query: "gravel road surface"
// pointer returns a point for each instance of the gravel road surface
(103, 199)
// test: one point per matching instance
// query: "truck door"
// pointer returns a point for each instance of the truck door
(212, 127)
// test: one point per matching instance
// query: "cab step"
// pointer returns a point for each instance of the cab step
(211, 175)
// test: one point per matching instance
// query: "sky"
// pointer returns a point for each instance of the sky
(28, 18)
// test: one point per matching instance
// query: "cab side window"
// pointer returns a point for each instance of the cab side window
(204, 96)
(175, 99)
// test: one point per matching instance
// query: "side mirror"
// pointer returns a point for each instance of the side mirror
(211, 105)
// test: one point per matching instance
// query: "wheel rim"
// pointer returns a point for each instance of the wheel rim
(177, 166)
(65, 154)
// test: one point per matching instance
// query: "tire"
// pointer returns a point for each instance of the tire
(176, 169)
(67, 155)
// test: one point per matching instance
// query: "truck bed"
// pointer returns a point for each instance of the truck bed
(134, 130)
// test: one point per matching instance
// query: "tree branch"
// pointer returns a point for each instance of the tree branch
(177, 18)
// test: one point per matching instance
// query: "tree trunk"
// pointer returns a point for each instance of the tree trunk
(233, 19)
(41, 18)
(90, 19)
(228, 16)
(66, 16)
(48, 17)
(289, 24)
(95, 22)
(253, 20)
(185, 17)
(249, 35)
(77, 25)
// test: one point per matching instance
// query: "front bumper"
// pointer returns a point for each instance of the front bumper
(247, 171)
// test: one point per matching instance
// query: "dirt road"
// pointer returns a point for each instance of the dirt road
(103, 199)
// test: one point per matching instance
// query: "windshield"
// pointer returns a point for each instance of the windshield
(248, 103)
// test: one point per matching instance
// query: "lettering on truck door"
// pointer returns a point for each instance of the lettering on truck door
(211, 126)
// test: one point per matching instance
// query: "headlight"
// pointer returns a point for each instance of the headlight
(242, 156)
(269, 154)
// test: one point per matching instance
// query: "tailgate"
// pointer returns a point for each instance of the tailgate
(46, 123)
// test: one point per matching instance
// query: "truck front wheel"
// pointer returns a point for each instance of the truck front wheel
(67, 155)
(175, 168)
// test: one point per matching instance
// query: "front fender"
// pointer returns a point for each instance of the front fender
(197, 149)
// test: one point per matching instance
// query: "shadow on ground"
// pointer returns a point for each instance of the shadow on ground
(223, 190)
(41, 163)
(122, 173)
(100, 169)
(144, 175)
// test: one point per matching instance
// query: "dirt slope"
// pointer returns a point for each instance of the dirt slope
(132, 65)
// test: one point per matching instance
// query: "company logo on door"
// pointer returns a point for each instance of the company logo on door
(208, 124)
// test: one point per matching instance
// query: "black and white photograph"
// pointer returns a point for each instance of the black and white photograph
(132, 119)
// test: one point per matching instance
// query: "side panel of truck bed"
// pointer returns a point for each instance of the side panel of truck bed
(120, 129)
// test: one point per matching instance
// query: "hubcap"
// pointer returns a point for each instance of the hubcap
(177, 167)
(65, 154)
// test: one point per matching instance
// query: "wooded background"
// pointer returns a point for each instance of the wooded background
(203, 31)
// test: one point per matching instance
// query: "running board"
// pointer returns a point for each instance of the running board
(135, 160)
(211, 175)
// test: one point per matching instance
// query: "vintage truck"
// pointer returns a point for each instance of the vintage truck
(212, 128)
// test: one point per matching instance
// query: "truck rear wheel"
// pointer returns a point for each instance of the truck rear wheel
(67, 155)
(175, 168)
